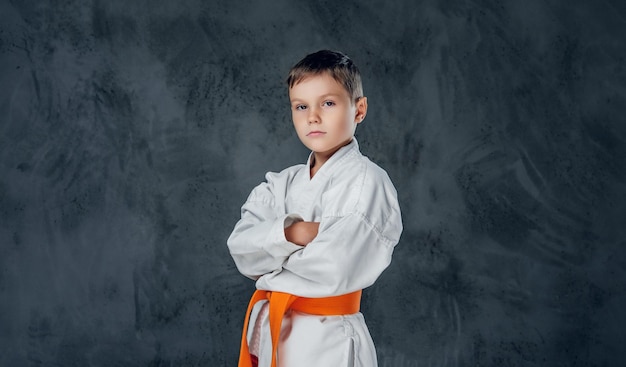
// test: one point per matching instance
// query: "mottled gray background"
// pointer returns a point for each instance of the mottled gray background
(132, 131)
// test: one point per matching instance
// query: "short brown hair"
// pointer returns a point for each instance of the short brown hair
(336, 64)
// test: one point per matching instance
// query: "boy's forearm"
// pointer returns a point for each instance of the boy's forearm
(301, 233)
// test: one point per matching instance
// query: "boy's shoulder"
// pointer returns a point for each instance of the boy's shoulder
(285, 174)
(359, 167)
(360, 186)
(276, 183)
(279, 181)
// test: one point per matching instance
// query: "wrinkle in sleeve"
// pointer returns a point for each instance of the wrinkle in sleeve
(258, 244)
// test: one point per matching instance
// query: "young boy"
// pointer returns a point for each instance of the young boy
(314, 235)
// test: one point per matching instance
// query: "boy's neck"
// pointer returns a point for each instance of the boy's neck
(318, 161)
(320, 158)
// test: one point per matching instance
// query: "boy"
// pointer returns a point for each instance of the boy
(313, 236)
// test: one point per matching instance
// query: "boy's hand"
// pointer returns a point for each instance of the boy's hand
(301, 233)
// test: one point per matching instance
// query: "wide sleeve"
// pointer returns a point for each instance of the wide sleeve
(257, 243)
(349, 252)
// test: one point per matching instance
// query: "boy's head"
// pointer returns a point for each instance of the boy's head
(336, 64)
(327, 102)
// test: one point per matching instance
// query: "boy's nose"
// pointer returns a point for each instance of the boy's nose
(314, 117)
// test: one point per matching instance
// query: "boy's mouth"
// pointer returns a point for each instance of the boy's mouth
(315, 133)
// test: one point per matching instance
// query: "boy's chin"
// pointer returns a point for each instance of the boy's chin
(323, 148)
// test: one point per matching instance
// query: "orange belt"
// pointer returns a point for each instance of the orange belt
(281, 302)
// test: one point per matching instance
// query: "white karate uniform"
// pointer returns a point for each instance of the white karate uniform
(360, 223)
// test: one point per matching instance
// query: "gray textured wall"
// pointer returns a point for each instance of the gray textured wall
(132, 131)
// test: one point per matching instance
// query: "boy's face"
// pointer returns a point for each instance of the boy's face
(324, 114)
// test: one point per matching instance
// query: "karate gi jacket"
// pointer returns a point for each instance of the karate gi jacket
(360, 223)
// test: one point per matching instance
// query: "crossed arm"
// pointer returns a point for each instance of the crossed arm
(301, 233)
(345, 254)
(281, 252)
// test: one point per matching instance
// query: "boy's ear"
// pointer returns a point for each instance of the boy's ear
(361, 109)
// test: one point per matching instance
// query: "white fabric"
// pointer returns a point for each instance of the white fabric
(360, 223)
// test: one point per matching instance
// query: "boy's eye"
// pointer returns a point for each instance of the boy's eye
(328, 103)
(300, 107)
